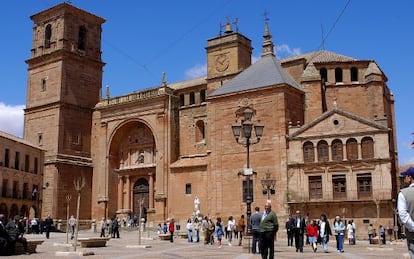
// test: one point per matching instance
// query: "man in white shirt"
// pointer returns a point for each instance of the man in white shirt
(406, 208)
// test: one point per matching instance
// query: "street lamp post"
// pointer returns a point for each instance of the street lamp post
(268, 185)
(242, 131)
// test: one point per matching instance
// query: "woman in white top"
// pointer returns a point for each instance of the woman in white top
(350, 232)
(230, 227)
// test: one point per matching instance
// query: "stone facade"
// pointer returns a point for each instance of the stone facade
(21, 177)
(328, 141)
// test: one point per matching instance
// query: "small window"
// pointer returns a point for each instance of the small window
(48, 36)
(188, 188)
(315, 187)
(337, 151)
(26, 163)
(339, 186)
(323, 151)
(40, 139)
(308, 152)
(324, 75)
(82, 38)
(7, 158)
(202, 96)
(367, 147)
(364, 186)
(200, 131)
(192, 98)
(36, 165)
(354, 74)
(181, 99)
(338, 75)
(43, 83)
(17, 161)
(352, 149)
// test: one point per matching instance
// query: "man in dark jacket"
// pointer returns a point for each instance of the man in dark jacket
(5, 241)
(15, 230)
(268, 230)
(299, 231)
(289, 230)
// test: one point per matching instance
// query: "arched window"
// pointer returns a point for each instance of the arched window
(48, 36)
(82, 38)
(324, 74)
(200, 131)
(367, 147)
(323, 151)
(354, 74)
(338, 75)
(352, 149)
(308, 152)
(337, 150)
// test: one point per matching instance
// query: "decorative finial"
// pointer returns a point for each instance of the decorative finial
(267, 46)
(164, 79)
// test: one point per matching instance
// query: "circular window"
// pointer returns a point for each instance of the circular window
(336, 122)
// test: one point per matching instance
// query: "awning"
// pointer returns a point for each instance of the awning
(189, 162)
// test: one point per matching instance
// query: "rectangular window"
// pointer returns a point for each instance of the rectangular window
(188, 188)
(248, 190)
(7, 157)
(364, 186)
(17, 161)
(36, 165)
(339, 187)
(192, 98)
(43, 83)
(26, 163)
(4, 188)
(315, 187)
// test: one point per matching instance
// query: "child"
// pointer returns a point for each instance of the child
(219, 231)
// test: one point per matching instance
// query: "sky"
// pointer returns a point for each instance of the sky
(143, 39)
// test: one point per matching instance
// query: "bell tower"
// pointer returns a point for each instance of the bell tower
(64, 84)
(227, 55)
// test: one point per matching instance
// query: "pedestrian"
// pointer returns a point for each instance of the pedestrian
(289, 230)
(165, 228)
(189, 228)
(15, 229)
(103, 227)
(405, 208)
(382, 234)
(48, 225)
(255, 220)
(171, 228)
(354, 228)
(339, 229)
(350, 233)
(299, 231)
(219, 231)
(370, 234)
(268, 231)
(241, 225)
(312, 232)
(196, 230)
(5, 241)
(159, 229)
(204, 228)
(34, 226)
(109, 226)
(324, 232)
(115, 227)
(231, 224)
(72, 224)
(211, 230)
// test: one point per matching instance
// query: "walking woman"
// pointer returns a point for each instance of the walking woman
(324, 232)
(339, 229)
(312, 232)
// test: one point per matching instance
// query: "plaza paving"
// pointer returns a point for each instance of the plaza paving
(151, 247)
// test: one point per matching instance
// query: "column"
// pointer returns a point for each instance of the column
(127, 193)
(120, 192)
(315, 153)
(344, 156)
(151, 191)
(359, 150)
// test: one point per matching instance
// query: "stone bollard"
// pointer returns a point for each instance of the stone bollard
(59, 225)
(93, 226)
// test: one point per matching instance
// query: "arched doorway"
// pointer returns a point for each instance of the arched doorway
(141, 193)
(4, 211)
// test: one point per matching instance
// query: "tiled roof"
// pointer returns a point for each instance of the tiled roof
(320, 56)
(267, 71)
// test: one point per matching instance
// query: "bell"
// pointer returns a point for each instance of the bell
(228, 28)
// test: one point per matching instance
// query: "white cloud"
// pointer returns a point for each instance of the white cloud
(12, 119)
(284, 51)
(196, 71)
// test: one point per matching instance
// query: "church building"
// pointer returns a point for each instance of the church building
(327, 145)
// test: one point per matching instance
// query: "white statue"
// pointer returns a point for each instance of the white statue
(196, 204)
